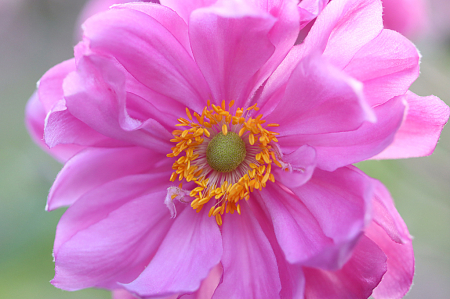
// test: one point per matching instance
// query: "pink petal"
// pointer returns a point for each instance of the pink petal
(283, 35)
(191, 248)
(166, 17)
(35, 121)
(96, 95)
(330, 101)
(387, 66)
(208, 286)
(400, 264)
(111, 233)
(249, 263)
(298, 167)
(95, 74)
(141, 103)
(93, 7)
(135, 102)
(357, 278)
(49, 93)
(309, 10)
(344, 27)
(230, 44)
(50, 87)
(96, 166)
(35, 118)
(154, 57)
(297, 231)
(62, 128)
(420, 131)
(390, 233)
(273, 89)
(386, 215)
(185, 8)
(340, 202)
(122, 294)
(154, 106)
(336, 150)
(340, 31)
(291, 276)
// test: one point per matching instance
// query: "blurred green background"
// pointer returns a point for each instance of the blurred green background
(37, 34)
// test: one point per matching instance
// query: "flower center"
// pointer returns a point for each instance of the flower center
(227, 155)
(225, 152)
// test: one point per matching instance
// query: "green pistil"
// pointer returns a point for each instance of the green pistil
(225, 152)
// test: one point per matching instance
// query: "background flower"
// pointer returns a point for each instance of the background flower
(409, 17)
(19, 194)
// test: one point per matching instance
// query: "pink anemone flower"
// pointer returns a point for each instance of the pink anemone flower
(206, 156)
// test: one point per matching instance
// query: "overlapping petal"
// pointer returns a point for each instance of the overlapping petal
(61, 128)
(335, 150)
(357, 278)
(50, 87)
(49, 93)
(291, 276)
(96, 95)
(321, 222)
(230, 44)
(122, 294)
(390, 233)
(298, 232)
(299, 164)
(191, 248)
(169, 19)
(340, 31)
(352, 22)
(283, 35)
(309, 10)
(400, 264)
(185, 8)
(96, 166)
(35, 121)
(386, 215)
(93, 7)
(154, 57)
(208, 286)
(320, 99)
(387, 66)
(250, 272)
(419, 133)
(114, 231)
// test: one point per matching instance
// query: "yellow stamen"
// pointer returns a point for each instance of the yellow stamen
(219, 219)
(241, 131)
(251, 139)
(190, 152)
(224, 129)
(188, 113)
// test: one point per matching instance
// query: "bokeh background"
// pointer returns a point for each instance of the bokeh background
(37, 34)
